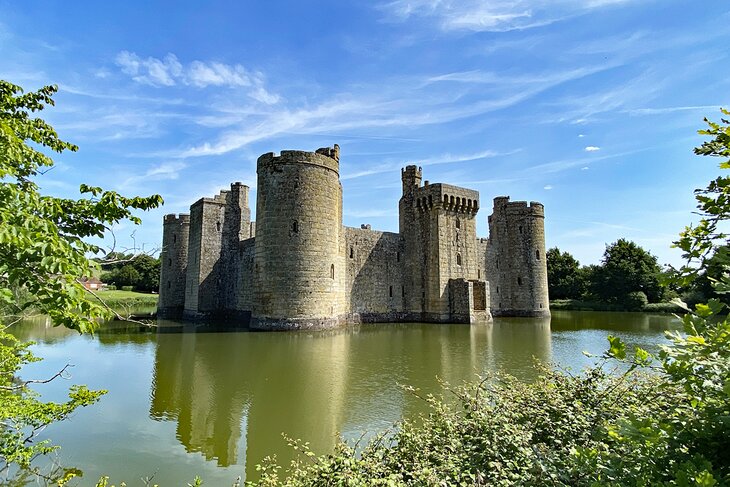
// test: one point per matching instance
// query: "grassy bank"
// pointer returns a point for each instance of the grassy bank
(578, 305)
(126, 299)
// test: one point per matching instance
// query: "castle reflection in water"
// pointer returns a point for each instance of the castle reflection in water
(233, 395)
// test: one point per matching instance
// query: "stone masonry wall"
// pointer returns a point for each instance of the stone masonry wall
(374, 281)
(516, 259)
(173, 265)
(299, 269)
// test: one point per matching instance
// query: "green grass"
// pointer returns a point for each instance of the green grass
(119, 298)
(578, 305)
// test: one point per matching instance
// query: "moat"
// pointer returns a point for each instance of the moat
(214, 404)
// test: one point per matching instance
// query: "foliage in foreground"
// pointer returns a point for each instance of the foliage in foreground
(42, 257)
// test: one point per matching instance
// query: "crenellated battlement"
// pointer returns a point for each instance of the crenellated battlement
(173, 218)
(326, 157)
(446, 197)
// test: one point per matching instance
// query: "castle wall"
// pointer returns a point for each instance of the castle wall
(445, 221)
(299, 268)
(516, 259)
(374, 280)
(246, 252)
(173, 265)
(202, 293)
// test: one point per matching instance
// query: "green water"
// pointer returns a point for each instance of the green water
(182, 404)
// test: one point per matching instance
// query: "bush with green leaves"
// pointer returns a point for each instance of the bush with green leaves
(43, 254)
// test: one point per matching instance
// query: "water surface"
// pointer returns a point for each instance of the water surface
(191, 403)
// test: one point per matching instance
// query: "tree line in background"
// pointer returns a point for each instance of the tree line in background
(140, 272)
(628, 278)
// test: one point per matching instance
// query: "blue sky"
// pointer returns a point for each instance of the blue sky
(588, 106)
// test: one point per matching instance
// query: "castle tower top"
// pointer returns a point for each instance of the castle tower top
(411, 177)
(327, 157)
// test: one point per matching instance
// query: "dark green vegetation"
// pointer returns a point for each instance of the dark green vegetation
(628, 279)
(140, 272)
(42, 256)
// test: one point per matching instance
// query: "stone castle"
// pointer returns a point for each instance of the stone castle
(298, 267)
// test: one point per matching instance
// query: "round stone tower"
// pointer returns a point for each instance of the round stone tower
(173, 265)
(516, 259)
(299, 266)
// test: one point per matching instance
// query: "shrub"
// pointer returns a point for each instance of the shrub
(127, 288)
(635, 301)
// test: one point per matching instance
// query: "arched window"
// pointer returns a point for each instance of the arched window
(295, 226)
(458, 223)
(332, 271)
(458, 259)
(519, 281)
(537, 254)
(520, 228)
(218, 226)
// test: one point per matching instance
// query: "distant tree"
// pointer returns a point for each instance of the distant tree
(148, 269)
(141, 271)
(565, 280)
(626, 268)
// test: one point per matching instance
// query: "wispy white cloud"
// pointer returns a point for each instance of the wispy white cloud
(592, 148)
(547, 187)
(158, 172)
(403, 106)
(169, 71)
(442, 159)
(491, 16)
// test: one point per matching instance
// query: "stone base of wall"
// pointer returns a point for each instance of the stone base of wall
(170, 313)
(284, 324)
(522, 313)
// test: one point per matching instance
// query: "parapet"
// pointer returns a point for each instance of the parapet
(503, 204)
(326, 157)
(174, 219)
(448, 197)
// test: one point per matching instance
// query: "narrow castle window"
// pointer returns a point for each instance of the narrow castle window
(520, 229)
(479, 273)
(390, 291)
(332, 271)
(397, 256)
(295, 226)
(458, 223)
(174, 237)
(537, 254)
(169, 284)
(498, 292)
(169, 261)
(519, 281)
(218, 226)
(352, 253)
(458, 259)
(403, 291)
